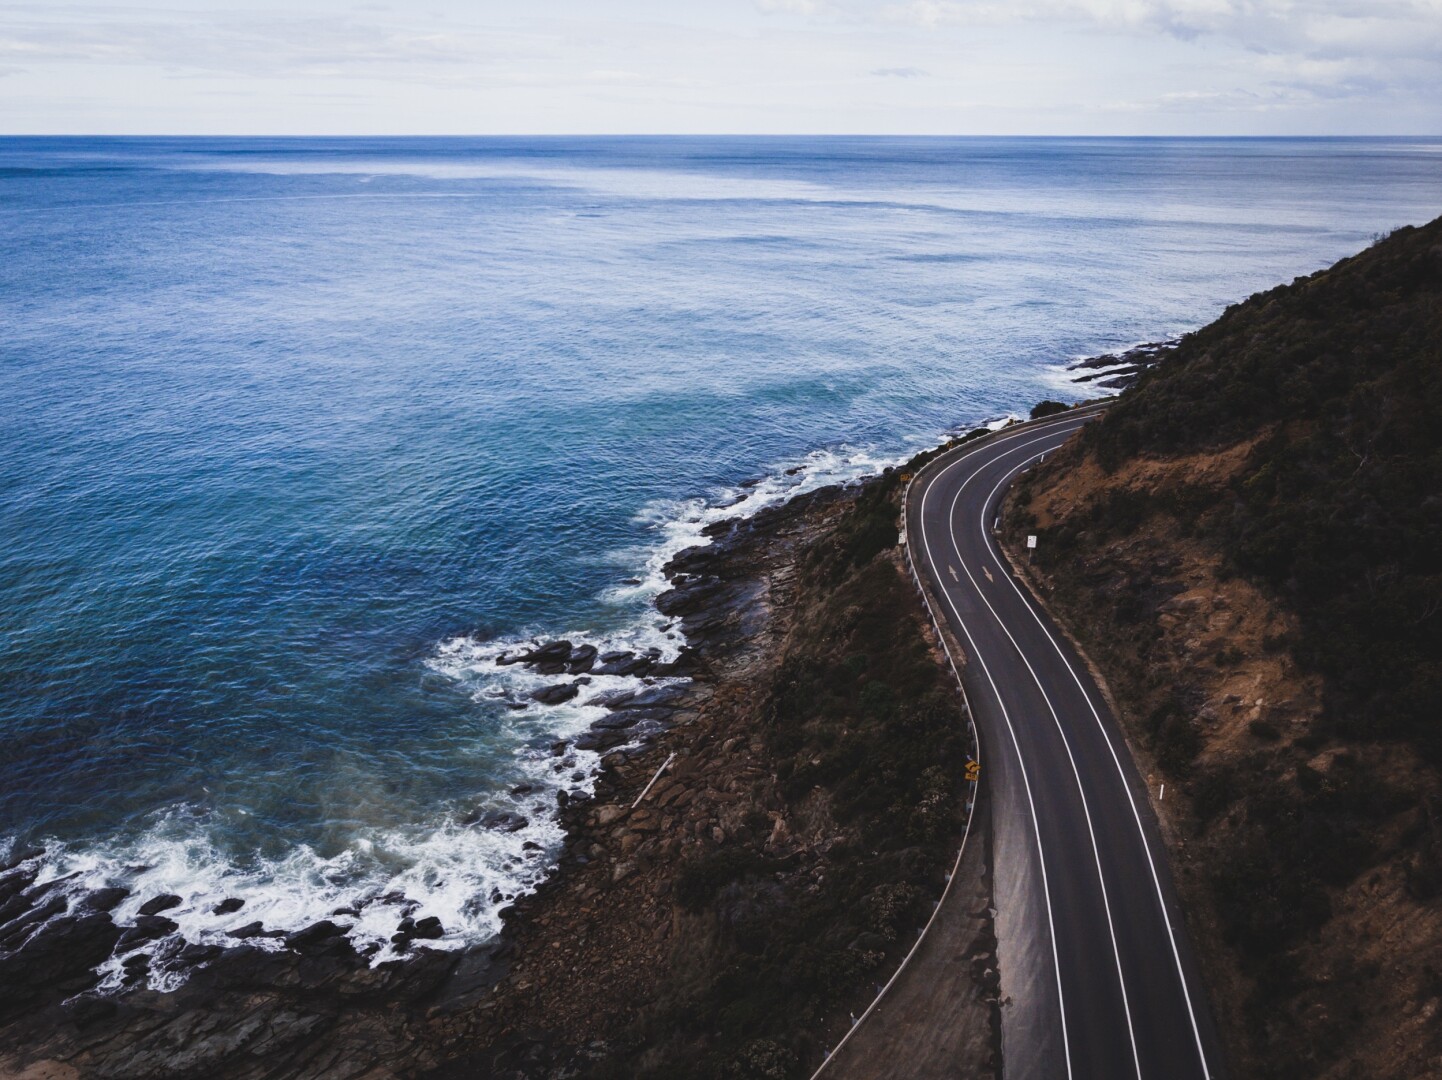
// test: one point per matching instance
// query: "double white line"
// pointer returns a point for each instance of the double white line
(1156, 881)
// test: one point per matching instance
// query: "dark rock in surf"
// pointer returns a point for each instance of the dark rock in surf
(555, 695)
(582, 659)
(199, 954)
(625, 664)
(503, 821)
(107, 899)
(600, 740)
(318, 936)
(147, 928)
(59, 956)
(156, 904)
(687, 665)
(226, 906)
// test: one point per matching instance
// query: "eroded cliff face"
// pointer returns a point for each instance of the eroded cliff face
(1259, 582)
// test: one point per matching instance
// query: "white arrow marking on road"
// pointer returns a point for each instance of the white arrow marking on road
(987, 572)
(952, 570)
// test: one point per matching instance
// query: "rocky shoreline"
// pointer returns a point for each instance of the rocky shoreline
(307, 1003)
(1117, 371)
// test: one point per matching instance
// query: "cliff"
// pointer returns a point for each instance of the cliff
(1249, 545)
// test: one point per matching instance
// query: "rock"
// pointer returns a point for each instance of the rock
(548, 653)
(20, 927)
(550, 667)
(146, 928)
(199, 954)
(688, 664)
(503, 821)
(600, 740)
(61, 954)
(86, 1009)
(619, 721)
(254, 929)
(428, 929)
(317, 934)
(607, 814)
(522, 789)
(156, 904)
(624, 664)
(102, 899)
(657, 695)
(582, 659)
(22, 854)
(555, 695)
(229, 904)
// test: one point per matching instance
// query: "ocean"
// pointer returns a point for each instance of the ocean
(301, 434)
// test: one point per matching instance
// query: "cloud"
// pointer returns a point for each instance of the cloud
(793, 7)
(1306, 27)
(900, 72)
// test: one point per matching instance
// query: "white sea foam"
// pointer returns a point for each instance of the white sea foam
(463, 874)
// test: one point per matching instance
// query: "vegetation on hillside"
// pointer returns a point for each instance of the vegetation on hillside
(1292, 447)
(863, 732)
(1340, 509)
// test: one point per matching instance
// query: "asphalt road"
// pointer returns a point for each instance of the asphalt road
(1091, 944)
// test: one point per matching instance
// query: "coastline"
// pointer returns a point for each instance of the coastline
(319, 999)
(722, 596)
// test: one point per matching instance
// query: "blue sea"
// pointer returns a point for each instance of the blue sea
(300, 434)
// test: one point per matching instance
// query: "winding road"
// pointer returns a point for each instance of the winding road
(1091, 943)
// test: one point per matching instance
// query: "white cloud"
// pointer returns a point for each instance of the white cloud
(793, 7)
(1048, 66)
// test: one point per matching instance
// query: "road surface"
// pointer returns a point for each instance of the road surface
(1091, 944)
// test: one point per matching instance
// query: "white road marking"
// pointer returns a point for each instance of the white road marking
(949, 567)
(1126, 787)
(1021, 761)
(985, 570)
(1056, 719)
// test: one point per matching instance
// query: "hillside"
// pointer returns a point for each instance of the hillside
(1249, 545)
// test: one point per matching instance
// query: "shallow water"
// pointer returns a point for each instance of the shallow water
(301, 433)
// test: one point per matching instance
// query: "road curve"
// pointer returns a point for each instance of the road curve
(1099, 980)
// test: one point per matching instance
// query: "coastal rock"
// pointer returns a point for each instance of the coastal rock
(656, 695)
(22, 854)
(59, 957)
(581, 660)
(503, 821)
(107, 899)
(625, 718)
(600, 740)
(156, 904)
(199, 954)
(228, 905)
(147, 928)
(555, 695)
(688, 665)
(624, 663)
(311, 935)
(254, 930)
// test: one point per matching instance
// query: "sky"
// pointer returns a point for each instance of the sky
(957, 67)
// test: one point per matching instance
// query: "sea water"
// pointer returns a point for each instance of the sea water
(300, 434)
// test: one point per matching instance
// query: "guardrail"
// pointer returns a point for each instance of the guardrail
(972, 784)
(970, 726)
